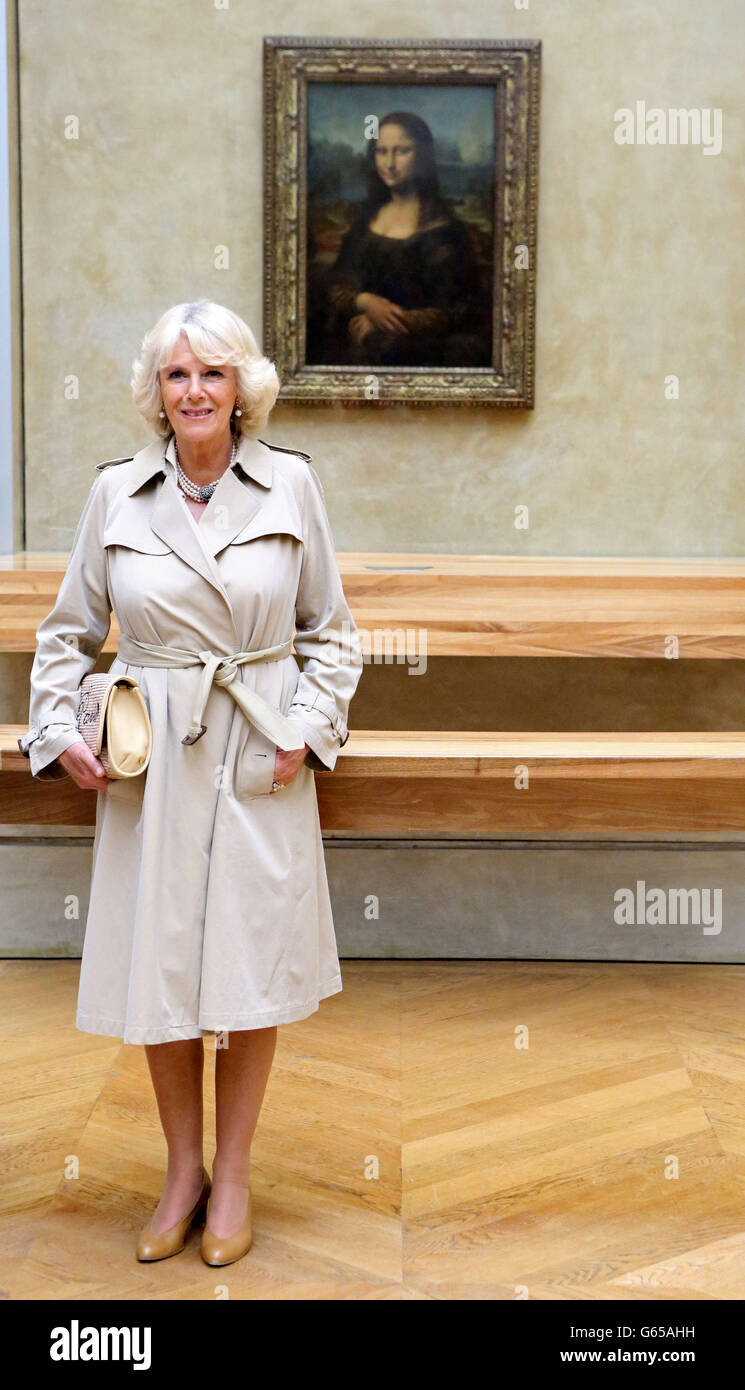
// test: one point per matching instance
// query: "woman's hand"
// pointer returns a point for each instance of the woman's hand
(359, 327)
(84, 767)
(287, 765)
(382, 313)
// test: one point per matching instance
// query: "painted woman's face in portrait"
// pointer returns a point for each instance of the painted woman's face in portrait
(395, 155)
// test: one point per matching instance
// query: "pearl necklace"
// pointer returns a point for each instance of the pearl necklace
(193, 490)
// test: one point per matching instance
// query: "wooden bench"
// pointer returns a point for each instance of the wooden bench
(409, 783)
(401, 783)
(483, 605)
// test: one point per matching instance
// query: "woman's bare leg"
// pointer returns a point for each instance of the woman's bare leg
(242, 1070)
(177, 1071)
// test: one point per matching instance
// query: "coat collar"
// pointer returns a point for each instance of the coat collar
(253, 456)
(233, 505)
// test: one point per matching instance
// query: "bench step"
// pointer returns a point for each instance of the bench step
(405, 783)
(485, 605)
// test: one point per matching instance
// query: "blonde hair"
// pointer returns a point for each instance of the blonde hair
(217, 336)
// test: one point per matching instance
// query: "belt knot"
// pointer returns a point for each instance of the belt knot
(225, 668)
(221, 669)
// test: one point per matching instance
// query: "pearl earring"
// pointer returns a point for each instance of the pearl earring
(239, 412)
(162, 414)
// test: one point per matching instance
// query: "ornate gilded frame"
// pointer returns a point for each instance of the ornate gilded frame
(512, 66)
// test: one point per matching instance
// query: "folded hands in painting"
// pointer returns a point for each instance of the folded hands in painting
(377, 312)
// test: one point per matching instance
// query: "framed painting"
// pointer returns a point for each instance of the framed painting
(400, 206)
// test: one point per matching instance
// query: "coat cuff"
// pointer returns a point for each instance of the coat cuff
(324, 731)
(43, 747)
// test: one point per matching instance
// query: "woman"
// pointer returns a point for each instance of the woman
(209, 906)
(406, 289)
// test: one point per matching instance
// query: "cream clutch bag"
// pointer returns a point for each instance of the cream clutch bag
(113, 719)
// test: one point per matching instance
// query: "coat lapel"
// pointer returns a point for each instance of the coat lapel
(232, 505)
(170, 521)
(236, 502)
(239, 509)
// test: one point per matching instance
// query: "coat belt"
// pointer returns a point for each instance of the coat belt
(222, 670)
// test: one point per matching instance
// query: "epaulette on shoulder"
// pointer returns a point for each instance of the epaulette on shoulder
(108, 462)
(284, 450)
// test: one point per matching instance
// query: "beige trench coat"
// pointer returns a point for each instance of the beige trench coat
(209, 906)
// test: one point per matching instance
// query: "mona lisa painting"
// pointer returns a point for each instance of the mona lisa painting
(409, 283)
(400, 205)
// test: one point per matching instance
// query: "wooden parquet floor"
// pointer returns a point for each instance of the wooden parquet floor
(409, 1147)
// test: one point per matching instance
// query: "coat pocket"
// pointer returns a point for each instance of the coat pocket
(128, 790)
(254, 770)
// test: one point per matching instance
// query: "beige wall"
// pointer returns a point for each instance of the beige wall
(640, 271)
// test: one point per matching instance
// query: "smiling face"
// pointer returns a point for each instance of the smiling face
(198, 399)
(395, 155)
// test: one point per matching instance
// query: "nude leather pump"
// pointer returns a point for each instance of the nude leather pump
(223, 1250)
(170, 1242)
